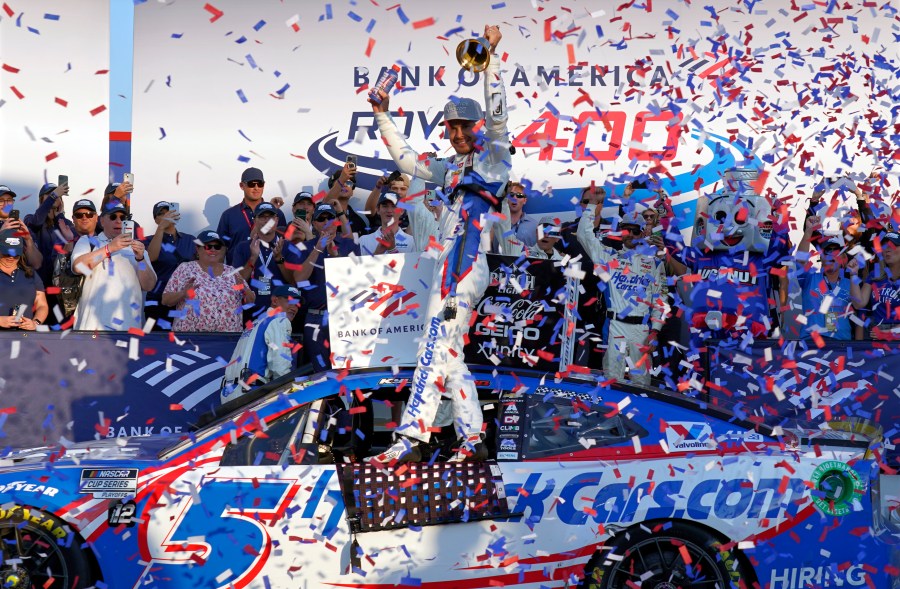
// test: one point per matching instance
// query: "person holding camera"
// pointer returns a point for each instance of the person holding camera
(9, 220)
(23, 304)
(116, 272)
(340, 188)
(302, 212)
(167, 249)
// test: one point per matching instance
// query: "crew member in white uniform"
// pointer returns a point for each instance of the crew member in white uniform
(473, 179)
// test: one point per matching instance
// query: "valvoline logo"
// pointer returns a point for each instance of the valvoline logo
(573, 149)
(681, 435)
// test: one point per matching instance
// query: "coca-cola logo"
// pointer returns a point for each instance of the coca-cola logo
(513, 312)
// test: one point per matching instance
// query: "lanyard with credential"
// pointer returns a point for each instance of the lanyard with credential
(246, 218)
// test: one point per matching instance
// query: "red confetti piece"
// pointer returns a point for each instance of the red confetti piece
(61, 102)
(98, 110)
(16, 92)
(425, 22)
(51, 156)
(9, 11)
(369, 47)
(10, 69)
(215, 12)
(175, 407)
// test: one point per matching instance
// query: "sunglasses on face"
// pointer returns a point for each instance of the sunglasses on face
(212, 246)
(325, 218)
(88, 215)
(585, 201)
(256, 184)
(117, 217)
(517, 194)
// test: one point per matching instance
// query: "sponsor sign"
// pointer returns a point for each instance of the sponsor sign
(376, 309)
(519, 317)
(687, 436)
(26, 487)
(832, 575)
(838, 485)
(109, 483)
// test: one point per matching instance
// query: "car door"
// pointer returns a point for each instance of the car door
(258, 511)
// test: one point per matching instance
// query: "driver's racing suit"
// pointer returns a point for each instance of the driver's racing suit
(471, 184)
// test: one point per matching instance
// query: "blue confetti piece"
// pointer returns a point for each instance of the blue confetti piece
(48, 16)
(259, 25)
(240, 94)
(402, 15)
(282, 90)
(243, 159)
(672, 14)
(452, 32)
(163, 132)
(241, 39)
(177, 35)
(241, 133)
(370, 26)
(354, 16)
(34, 30)
(251, 61)
(19, 20)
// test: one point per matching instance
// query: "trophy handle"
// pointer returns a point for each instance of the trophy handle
(474, 55)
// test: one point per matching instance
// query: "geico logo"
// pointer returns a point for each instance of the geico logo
(503, 330)
(823, 576)
(24, 514)
(619, 502)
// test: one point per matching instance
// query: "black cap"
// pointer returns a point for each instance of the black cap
(303, 195)
(892, 236)
(251, 174)
(48, 187)
(287, 291)
(114, 206)
(265, 208)
(209, 236)
(84, 204)
(111, 187)
(163, 204)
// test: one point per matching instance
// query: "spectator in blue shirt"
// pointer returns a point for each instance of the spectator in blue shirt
(261, 260)
(825, 292)
(236, 223)
(308, 265)
(167, 248)
(524, 227)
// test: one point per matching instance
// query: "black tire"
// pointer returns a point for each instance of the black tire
(43, 543)
(659, 551)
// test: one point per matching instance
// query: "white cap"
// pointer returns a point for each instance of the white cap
(463, 109)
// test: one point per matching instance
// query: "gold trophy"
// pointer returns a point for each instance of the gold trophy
(474, 55)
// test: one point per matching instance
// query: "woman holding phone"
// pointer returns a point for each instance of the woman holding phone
(23, 304)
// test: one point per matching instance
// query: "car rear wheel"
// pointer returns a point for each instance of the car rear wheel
(38, 552)
(674, 556)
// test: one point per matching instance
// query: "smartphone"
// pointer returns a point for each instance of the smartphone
(638, 185)
(395, 175)
(351, 159)
(19, 311)
(300, 214)
(175, 207)
(14, 215)
(128, 228)
(129, 177)
(63, 179)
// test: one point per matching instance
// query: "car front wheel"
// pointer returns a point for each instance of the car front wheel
(668, 556)
(38, 552)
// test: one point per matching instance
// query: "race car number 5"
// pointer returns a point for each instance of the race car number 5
(230, 552)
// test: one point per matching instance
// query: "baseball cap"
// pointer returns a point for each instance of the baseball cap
(208, 236)
(84, 204)
(251, 174)
(163, 204)
(832, 243)
(265, 208)
(892, 236)
(287, 291)
(48, 187)
(111, 187)
(324, 209)
(550, 226)
(114, 206)
(6, 190)
(463, 109)
(391, 197)
(301, 196)
(11, 244)
(632, 217)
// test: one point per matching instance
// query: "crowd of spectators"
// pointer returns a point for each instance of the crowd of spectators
(649, 301)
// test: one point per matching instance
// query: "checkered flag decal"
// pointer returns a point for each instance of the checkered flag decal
(421, 494)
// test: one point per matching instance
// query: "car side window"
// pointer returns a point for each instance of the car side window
(573, 423)
(253, 449)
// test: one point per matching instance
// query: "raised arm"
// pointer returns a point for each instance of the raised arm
(496, 115)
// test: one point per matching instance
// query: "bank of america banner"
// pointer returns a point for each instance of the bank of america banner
(595, 90)
(376, 308)
(83, 386)
(842, 381)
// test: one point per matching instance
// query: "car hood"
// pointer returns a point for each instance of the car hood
(130, 449)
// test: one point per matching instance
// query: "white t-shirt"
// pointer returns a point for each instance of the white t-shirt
(403, 243)
(111, 298)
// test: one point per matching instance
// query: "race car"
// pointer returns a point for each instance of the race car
(589, 484)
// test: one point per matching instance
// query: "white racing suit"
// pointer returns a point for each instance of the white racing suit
(636, 302)
(471, 186)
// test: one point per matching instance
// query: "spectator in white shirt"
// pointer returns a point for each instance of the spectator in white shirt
(389, 239)
(116, 276)
(548, 232)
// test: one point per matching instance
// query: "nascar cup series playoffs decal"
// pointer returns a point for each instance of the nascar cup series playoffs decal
(837, 486)
(109, 483)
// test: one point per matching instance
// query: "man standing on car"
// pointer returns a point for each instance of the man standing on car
(473, 180)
